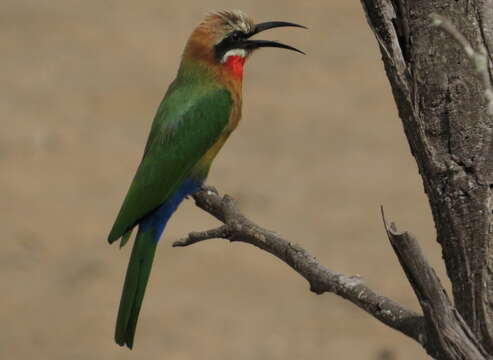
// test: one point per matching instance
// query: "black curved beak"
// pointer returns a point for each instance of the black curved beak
(255, 44)
(273, 24)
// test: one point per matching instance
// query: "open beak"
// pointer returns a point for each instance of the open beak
(255, 44)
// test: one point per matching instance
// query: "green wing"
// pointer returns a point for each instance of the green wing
(188, 122)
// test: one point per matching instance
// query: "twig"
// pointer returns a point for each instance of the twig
(238, 228)
(221, 232)
(478, 58)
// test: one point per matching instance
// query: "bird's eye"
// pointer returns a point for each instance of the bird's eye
(236, 35)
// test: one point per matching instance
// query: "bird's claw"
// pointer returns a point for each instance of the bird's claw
(209, 188)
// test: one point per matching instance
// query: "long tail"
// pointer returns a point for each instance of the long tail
(138, 271)
(139, 267)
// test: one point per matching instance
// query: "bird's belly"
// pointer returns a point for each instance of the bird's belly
(203, 165)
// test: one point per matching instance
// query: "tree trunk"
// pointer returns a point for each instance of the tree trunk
(444, 112)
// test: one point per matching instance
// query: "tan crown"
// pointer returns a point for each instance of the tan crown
(235, 20)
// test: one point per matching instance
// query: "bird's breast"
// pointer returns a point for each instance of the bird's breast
(234, 64)
(202, 167)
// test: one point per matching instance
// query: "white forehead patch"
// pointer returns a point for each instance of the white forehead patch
(236, 20)
(233, 52)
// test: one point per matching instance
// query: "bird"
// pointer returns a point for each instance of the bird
(199, 111)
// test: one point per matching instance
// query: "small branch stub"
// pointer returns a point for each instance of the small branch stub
(449, 337)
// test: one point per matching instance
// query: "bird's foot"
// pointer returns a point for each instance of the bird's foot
(209, 188)
(205, 188)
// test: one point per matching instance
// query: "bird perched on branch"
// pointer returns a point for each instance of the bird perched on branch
(198, 113)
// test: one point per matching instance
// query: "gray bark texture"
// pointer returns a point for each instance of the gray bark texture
(444, 111)
(437, 56)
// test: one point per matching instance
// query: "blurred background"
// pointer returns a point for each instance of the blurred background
(320, 147)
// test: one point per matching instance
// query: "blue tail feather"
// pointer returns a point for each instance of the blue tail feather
(158, 218)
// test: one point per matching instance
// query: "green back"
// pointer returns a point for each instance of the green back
(191, 117)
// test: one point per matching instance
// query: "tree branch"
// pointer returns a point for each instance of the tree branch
(453, 339)
(238, 228)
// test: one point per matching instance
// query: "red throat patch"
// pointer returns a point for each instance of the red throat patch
(235, 64)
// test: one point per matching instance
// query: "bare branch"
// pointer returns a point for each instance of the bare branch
(453, 338)
(441, 331)
(238, 228)
(478, 58)
(221, 232)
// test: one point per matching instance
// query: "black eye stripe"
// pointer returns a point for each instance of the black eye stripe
(236, 35)
(229, 42)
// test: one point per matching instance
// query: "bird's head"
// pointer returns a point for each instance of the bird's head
(223, 40)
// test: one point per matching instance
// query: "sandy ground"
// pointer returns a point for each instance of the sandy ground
(319, 149)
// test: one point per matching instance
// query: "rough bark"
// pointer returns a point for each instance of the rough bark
(446, 334)
(444, 112)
